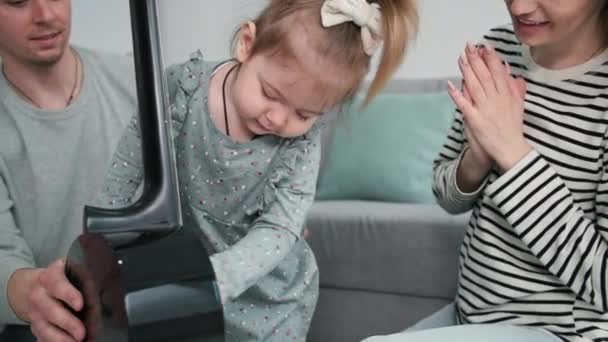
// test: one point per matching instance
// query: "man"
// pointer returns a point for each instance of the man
(62, 111)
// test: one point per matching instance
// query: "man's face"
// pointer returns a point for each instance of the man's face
(34, 31)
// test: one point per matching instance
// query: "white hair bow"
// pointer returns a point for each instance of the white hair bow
(362, 13)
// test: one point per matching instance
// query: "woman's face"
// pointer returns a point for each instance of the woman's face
(554, 22)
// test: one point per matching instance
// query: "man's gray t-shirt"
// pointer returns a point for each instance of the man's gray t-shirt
(53, 162)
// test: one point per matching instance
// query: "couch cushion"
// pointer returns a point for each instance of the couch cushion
(384, 247)
(385, 152)
(351, 315)
(394, 86)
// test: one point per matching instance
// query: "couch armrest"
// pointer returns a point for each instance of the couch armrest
(405, 249)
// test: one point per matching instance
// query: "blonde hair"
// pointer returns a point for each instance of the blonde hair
(341, 44)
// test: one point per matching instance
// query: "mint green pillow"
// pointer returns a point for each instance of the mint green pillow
(386, 151)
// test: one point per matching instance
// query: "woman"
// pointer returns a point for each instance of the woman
(529, 159)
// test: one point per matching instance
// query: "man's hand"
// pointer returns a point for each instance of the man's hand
(41, 297)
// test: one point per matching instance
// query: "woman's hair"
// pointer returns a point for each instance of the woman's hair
(604, 21)
(283, 22)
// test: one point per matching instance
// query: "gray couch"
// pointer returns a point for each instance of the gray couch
(383, 266)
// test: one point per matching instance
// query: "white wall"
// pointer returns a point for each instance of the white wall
(445, 26)
(102, 24)
(188, 25)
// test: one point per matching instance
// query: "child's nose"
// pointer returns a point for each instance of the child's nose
(277, 117)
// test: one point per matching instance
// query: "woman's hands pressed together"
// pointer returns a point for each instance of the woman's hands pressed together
(492, 104)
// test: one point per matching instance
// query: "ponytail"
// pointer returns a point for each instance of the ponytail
(400, 25)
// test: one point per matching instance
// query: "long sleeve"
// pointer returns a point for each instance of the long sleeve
(289, 195)
(445, 189)
(125, 173)
(14, 253)
(543, 212)
(126, 169)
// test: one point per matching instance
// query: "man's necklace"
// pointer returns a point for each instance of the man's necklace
(72, 93)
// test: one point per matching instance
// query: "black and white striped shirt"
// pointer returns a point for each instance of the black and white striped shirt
(536, 248)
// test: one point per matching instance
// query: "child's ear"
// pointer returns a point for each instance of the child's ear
(245, 41)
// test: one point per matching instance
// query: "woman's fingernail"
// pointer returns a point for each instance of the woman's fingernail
(451, 86)
(471, 48)
(489, 49)
(463, 59)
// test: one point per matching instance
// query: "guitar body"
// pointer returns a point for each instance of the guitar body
(146, 288)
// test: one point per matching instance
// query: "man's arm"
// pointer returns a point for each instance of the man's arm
(15, 254)
(30, 294)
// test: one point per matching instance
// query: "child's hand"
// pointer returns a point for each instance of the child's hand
(494, 112)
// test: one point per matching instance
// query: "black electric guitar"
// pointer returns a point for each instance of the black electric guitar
(143, 276)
